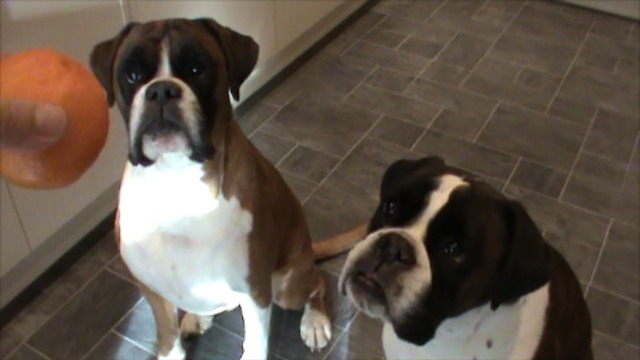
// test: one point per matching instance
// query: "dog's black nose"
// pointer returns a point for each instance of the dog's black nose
(394, 248)
(162, 92)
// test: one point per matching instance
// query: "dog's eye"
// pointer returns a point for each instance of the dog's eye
(196, 70)
(390, 208)
(134, 76)
(452, 248)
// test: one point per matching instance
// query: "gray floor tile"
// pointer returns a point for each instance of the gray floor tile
(397, 132)
(614, 316)
(458, 16)
(458, 125)
(424, 48)
(509, 7)
(419, 29)
(606, 348)
(118, 266)
(500, 72)
(139, 326)
(610, 202)
(216, 344)
(618, 268)
(451, 98)
(334, 265)
(579, 112)
(529, 19)
(597, 60)
(103, 302)
(117, 348)
(416, 10)
(391, 80)
(309, 164)
(534, 52)
(601, 88)
(330, 127)
(539, 178)
(562, 220)
(467, 155)
(599, 170)
(385, 38)
(301, 187)
(393, 104)
(612, 136)
(272, 147)
(258, 114)
(601, 45)
(465, 51)
(581, 257)
(24, 353)
(492, 16)
(378, 55)
(628, 70)
(509, 92)
(361, 341)
(521, 132)
(539, 81)
(445, 74)
(363, 25)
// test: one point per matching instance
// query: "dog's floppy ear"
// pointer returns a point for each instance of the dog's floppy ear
(102, 59)
(241, 52)
(401, 169)
(525, 264)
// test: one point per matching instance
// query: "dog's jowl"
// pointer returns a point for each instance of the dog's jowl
(205, 223)
(457, 271)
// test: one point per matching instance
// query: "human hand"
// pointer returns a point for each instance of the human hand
(27, 125)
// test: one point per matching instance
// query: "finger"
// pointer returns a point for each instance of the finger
(26, 125)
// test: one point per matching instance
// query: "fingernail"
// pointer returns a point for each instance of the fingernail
(50, 121)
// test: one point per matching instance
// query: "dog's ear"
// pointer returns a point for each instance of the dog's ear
(241, 52)
(525, 263)
(402, 169)
(102, 60)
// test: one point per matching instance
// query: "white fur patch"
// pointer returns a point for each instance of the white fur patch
(256, 334)
(176, 353)
(315, 329)
(181, 238)
(511, 332)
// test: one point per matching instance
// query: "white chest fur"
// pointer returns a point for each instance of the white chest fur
(180, 238)
(510, 332)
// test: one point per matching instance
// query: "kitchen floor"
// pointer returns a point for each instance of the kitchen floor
(538, 98)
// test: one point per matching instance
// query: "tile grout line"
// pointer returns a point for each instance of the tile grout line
(375, 68)
(36, 351)
(293, 148)
(359, 38)
(571, 66)
(344, 331)
(515, 168)
(56, 311)
(364, 136)
(595, 266)
(426, 129)
(111, 329)
(122, 276)
(630, 163)
(130, 341)
(486, 122)
(493, 44)
(273, 115)
(615, 294)
(611, 337)
(575, 161)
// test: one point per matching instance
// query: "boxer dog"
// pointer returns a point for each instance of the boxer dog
(457, 271)
(204, 222)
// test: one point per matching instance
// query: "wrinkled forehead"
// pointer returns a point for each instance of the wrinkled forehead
(176, 36)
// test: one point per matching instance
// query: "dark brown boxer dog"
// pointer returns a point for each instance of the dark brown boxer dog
(457, 271)
(205, 222)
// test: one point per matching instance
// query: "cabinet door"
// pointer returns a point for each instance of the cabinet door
(296, 17)
(72, 27)
(13, 244)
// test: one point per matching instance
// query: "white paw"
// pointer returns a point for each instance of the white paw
(176, 353)
(315, 329)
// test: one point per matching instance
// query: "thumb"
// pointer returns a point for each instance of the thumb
(26, 125)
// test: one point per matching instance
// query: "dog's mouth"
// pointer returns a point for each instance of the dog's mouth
(364, 289)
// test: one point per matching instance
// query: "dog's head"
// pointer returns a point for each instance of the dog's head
(171, 81)
(441, 243)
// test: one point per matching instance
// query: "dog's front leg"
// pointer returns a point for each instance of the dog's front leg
(256, 329)
(166, 316)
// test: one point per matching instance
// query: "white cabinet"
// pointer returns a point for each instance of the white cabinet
(72, 27)
(293, 18)
(13, 244)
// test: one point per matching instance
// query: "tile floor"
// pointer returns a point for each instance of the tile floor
(539, 98)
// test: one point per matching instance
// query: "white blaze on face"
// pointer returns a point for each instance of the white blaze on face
(188, 105)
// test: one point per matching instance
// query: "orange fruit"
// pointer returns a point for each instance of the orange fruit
(50, 77)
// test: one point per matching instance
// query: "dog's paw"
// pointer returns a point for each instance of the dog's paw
(175, 353)
(192, 326)
(315, 329)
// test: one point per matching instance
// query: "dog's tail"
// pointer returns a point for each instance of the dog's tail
(340, 243)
